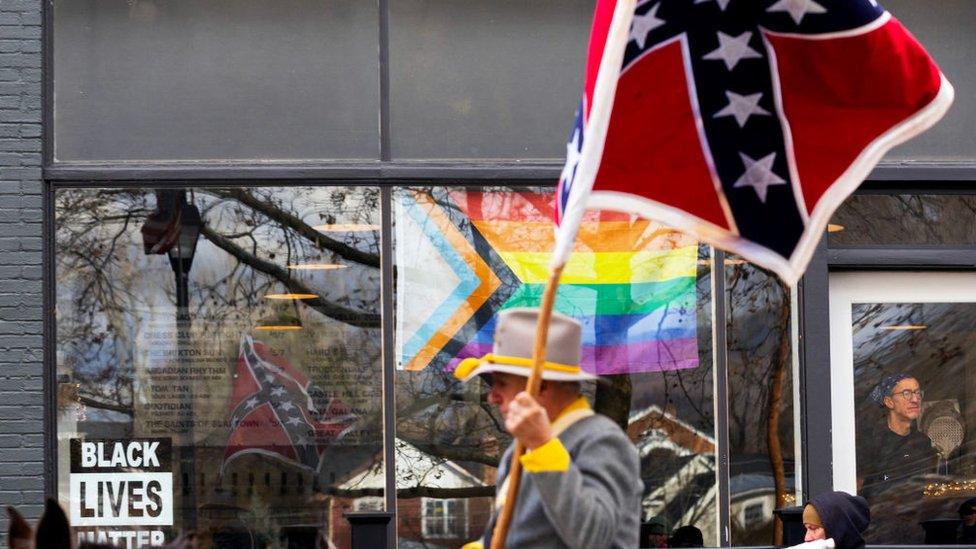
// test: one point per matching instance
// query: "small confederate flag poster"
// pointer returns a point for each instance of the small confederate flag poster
(272, 412)
(743, 122)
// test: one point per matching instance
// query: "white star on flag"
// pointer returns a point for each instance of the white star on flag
(286, 406)
(722, 4)
(759, 175)
(644, 24)
(251, 403)
(572, 157)
(732, 49)
(797, 8)
(294, 421)
(278, 391)
(742, 107)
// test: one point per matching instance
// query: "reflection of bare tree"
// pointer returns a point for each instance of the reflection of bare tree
(438, 416)
(99, 262)
(287, 219)
(93, 351)
(870, 219)
(323, 306)
(759, 359)
(757, 327)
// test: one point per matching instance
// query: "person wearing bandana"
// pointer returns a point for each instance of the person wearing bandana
(894, 449)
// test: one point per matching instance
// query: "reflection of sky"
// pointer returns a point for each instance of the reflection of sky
(949, 325)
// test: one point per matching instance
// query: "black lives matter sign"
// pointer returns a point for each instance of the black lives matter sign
(121, 482)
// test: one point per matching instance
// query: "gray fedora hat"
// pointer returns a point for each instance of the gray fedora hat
(513, 342)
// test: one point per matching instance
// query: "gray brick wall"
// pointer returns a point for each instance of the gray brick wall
(21, 368)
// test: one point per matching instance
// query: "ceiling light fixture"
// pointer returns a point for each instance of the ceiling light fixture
(347, 228)
(905, 327)
(834, 228)
(278, 328)
(728, 261)
(291, 296)
(317, 266)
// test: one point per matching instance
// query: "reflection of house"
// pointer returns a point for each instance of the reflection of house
(752, 497)
(256, 498)
(677, 467)
(422, 521)
(678, 470)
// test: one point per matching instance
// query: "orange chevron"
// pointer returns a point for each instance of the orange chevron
(489, 282)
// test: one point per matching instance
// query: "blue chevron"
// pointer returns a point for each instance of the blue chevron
(468, 284)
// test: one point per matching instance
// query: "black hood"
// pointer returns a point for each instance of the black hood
(844, 517)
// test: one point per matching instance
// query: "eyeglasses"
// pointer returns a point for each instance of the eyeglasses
(907, 394)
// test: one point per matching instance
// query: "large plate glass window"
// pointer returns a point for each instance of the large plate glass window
(904, 395)
(218, 362)
(643, 294)
(904, 219)
(762, 458)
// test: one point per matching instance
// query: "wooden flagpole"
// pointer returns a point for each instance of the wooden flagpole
(531, 387)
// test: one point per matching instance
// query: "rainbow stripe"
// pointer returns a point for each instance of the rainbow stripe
(631, 283)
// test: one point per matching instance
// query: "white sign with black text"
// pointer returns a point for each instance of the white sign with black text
(121, 483)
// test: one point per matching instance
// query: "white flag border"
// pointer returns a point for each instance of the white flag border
(789, 270)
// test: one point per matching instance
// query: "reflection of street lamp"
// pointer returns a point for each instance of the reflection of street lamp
(174, 229)
(181, 254)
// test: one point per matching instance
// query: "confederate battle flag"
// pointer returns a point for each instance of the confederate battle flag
(272, 412)
(743, 122)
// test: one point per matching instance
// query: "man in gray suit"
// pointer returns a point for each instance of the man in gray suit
(581, 474)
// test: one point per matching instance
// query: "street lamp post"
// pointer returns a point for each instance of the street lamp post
(181, 260)
(173, 229)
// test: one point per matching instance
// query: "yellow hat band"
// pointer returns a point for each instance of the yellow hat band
(468, 365)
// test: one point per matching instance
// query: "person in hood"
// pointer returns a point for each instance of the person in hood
(837, 515)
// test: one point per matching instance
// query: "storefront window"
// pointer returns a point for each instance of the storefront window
(642, 293)
(914, 390)
(218, 362)
(760, 377)
(911, 220)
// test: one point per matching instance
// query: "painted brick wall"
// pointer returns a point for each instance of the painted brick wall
(21, 370)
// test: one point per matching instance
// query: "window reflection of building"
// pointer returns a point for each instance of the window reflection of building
(752, 496)
(677, 468)
(369, 503)
(753, 514)
(444, 518)
(443, 521)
